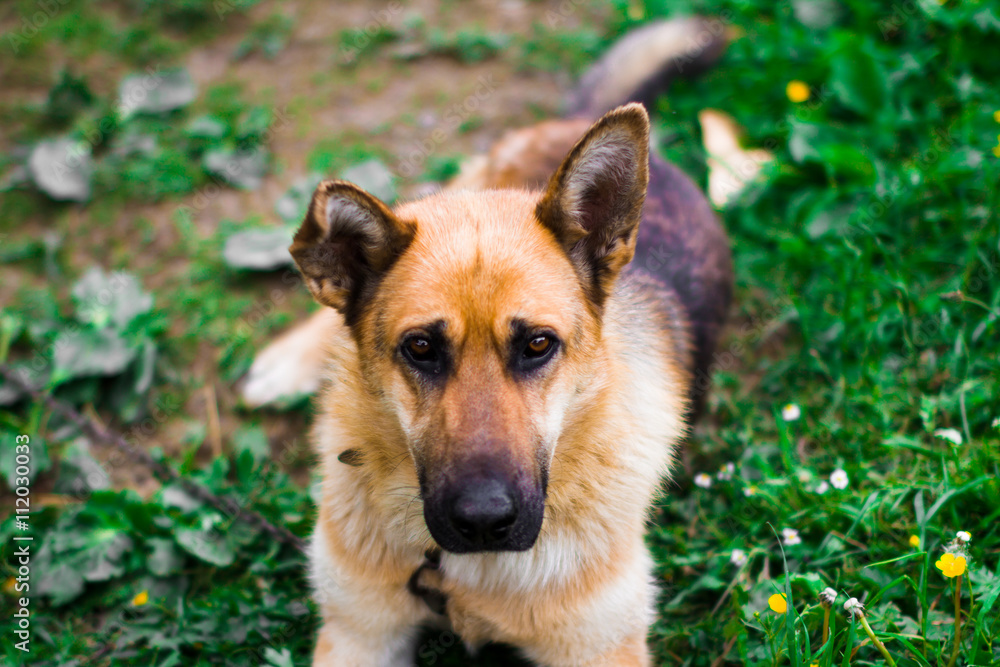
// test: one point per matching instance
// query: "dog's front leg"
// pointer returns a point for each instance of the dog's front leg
(343, 645)
(630, 653)
(370, 618)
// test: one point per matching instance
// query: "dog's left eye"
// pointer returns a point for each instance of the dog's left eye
(537, 351)
(538, 346)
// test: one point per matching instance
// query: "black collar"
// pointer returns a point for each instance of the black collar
(435, 600)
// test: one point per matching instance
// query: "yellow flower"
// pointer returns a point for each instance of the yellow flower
(141, 599)
(915, 541)
(797, 91)
(951, 565)
(777, 603)
(996, 150)
(996, 116)
(8, 586)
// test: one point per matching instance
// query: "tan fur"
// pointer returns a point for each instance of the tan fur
(604, 419)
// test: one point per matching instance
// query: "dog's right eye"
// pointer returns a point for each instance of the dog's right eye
(421, 353)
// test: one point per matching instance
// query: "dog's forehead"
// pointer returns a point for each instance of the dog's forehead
(480, 259)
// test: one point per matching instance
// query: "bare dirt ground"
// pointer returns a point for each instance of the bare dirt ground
(392, 103)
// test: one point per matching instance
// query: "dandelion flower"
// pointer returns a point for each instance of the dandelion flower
(949, 434)
(778, 603)
(822, 487)
(141, 599)
(963, 536)
(738, 557)
(750, 491)
(828, 596)
(853, 607)
(951, 565)
(790, 536)
(797, 91)
(839, 479)
(791, 412)
(726, 472)
(703, 480)
(915, 541)
(996, 116)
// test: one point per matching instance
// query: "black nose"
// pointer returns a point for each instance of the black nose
(484, 513)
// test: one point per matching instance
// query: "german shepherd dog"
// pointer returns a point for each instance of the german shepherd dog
(511, 363)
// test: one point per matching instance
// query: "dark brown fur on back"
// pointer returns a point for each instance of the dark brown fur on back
(682, 244)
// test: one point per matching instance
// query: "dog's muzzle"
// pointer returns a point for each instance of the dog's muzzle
(484, 512)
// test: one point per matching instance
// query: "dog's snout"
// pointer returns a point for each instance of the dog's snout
(483, 512)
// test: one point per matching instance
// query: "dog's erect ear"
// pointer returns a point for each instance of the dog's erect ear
(346, 242)
(593, 203)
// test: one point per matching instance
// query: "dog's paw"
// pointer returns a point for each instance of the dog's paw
(288, 370)
(277, 378)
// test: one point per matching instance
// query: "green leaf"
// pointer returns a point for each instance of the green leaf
(985, 619)
(281, 658)
(244, 169)
(62, 169)
(116, 298)
(166, 558)
(857, 79)
(372, 175)
(104, 559)
(253, 440)
(67, 98)
(258, 249)
(62, 583)
(156, 92)
(208, 546)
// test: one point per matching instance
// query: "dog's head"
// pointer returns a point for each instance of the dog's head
(477, 318)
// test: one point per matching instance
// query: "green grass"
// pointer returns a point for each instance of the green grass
(868, 294)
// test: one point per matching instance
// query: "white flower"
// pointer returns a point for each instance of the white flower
(996, 422)
(738, 557)
(703, 480)
(963, 536)
(726, 472)
(750, 491)
(822, 487)
(949, 434)
(828, 596)
(791, 412)
(839, 479)
(854, 608)
(790, 537)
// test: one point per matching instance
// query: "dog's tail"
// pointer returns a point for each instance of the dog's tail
(637, 68)
(680, 240)
(640, 66)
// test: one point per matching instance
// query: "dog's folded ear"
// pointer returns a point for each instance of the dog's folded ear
(593, 203)
(346, 242)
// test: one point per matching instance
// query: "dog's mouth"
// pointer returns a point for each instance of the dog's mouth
(484, 513)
